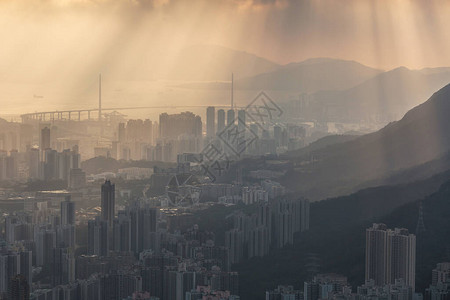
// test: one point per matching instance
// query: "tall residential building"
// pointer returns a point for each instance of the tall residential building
(67, 211)
(143, 221)
(122, 133)
(98, 237)
(57, 165)
(108, 202)
(33, 163)
(230, 117)
(122, 233)
(9, 267)
(390, 255)
(283, 223)
(50, 165)
(220, 120)
(402, 256)
(234, 240)
(26, 266)
(63, 266)
(65, 236)
(45, 242)
(210, 121)
(376, 254)
(45, 138)
(148, 131)
(19, 288)
(185, 123)
(65, 233)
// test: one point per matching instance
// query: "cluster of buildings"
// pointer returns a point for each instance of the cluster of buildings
(227, 193)
(389, 273)
(16, 267)
(390, 256)
(322, 286)
(150, 233)
(152, 276)
(272, 138)
(50, 149)
(43, 163)
(138, 249)
(439, 288)
(184, 133)
(171, 264)
(147, 140)
(138, 252)
(272, 226)
(41, 244)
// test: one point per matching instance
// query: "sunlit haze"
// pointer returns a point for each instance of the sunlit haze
(225, 149)
(56, 48)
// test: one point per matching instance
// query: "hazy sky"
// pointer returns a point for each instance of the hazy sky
(73, 39)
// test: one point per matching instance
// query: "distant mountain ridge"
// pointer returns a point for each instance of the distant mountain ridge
(393, 92)
(420, 136)
(310, 76)
(339, 90)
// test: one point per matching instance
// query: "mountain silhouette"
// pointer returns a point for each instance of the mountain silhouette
(338, 169)
(393, 92)
(310, 76)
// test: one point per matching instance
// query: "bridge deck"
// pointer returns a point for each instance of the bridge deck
(68, 114)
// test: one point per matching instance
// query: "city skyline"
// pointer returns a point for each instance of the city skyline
(224, 150)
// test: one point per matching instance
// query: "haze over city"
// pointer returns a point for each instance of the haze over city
(140, 41)
(224, 150)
